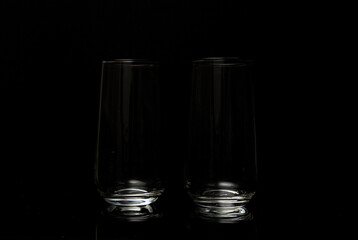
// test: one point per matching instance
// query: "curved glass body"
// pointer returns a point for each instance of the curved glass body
(127, 166)
(221, 172)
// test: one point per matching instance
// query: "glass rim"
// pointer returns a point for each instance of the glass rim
(130, 61)
(221, 61)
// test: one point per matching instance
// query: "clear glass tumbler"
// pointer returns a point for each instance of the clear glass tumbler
(221, 172)
(127, 167)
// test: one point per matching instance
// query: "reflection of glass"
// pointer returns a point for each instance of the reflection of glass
(223, 215)
(216, 228)
(114, 228)
(221, 171)
(133, 213)
(127, 168)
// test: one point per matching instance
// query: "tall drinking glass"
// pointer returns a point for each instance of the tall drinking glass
(127, 167)
(221, 174)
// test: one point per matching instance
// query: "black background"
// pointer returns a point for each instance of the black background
(51, 55)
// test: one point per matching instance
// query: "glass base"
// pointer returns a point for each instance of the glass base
(223, 216)
(132, 197)
(133, 213)
(223, 204)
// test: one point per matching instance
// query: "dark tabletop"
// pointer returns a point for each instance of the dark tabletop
(173, 216)
(50, 77)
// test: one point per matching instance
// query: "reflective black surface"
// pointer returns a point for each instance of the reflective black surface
(179, 220)
(51, 53)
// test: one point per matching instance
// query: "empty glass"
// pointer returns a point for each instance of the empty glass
(127, 166)
(221, 174)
